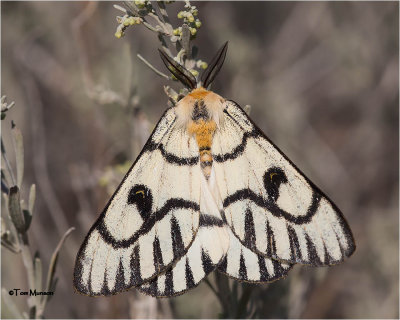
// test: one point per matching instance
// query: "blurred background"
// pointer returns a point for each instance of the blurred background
(322, 82)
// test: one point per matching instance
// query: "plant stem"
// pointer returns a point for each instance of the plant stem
(153, 68)
(28, 262)
(3, 152)
(224, 295)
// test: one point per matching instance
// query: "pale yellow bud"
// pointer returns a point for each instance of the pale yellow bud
(190, 17)
(203, 65)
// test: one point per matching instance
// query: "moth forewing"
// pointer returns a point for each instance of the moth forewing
(292, 220)
(128, 245)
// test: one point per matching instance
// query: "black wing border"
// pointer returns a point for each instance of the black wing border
(314, 260)
(149, 146)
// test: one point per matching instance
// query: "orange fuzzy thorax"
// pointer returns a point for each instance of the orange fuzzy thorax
(203, 132)
(199, 93)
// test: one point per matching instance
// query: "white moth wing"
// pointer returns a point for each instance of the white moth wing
(243, 264)
(201, 259)
(207, 251)
(271, 207)
(151, 219)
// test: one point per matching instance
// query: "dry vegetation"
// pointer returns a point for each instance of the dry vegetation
(322, 80)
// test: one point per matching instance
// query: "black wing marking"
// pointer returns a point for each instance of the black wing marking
(143, 218)
(286, 208)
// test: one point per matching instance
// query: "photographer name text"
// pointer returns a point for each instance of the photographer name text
(19, 292)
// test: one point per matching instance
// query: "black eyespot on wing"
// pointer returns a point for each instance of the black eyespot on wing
(142, 197)
(272, 181)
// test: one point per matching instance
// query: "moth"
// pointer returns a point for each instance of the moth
(209, 191)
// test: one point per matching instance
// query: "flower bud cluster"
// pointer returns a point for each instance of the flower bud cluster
(142, 4)
(125, 22)
(189, 17)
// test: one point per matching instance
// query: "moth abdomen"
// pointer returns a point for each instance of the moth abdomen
(203, 131)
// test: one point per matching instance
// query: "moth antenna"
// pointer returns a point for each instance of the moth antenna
(216, 63)
(180, 72)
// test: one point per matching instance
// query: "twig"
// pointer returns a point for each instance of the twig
(52, 270)
(223, 294)
(10, 247)
(160, 24)
(28, 263)
(164, 14)
(153, 68)
(155, 29)
(168, 36)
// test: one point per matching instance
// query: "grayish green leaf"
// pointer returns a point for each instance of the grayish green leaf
(27, 218)
(32, 198)
(186, 40)
(53, 265)
(38, 273)
(19, 153)
(9, 171)
(52, 288)
(14, 208)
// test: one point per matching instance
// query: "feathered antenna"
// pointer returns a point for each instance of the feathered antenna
(216, 63)
(187, 78)
(179, 71)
